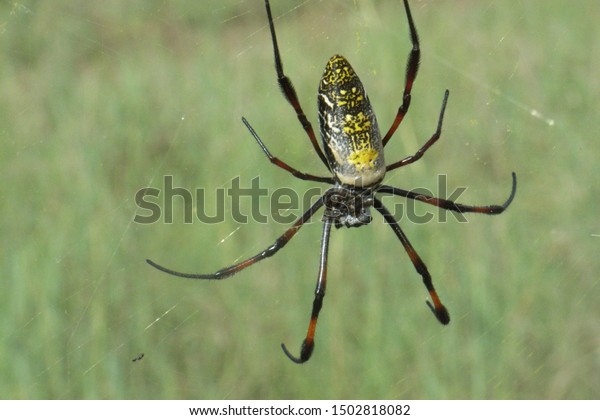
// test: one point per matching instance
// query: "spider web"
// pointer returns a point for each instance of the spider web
(151, 89)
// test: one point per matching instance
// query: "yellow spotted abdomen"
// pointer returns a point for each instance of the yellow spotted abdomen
(349, 129)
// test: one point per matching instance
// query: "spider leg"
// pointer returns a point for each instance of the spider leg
(451, 205)
(435, 137)
(438, 309)
(234, 269)
(276, 161)
(288, 90)
(309, 342)
(412, 67)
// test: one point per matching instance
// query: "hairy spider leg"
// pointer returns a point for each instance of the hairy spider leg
(271, 250)
(435, 137)
(309, 342)
(451, 205)
(278, 162)
(412, 67)
(438, 309)
(288, 90)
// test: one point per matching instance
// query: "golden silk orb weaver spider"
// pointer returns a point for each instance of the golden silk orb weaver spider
(353, 152)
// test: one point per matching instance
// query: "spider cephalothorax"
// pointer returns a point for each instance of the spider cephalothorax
(348, 207)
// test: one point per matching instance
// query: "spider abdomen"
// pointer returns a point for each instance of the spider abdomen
(349, 129)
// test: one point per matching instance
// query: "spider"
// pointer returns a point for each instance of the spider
(353, 152)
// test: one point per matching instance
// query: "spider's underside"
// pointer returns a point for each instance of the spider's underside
(353, 152)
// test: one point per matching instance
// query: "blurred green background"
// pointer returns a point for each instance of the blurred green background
(100, 99)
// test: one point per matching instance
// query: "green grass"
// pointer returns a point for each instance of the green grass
(102, 99)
